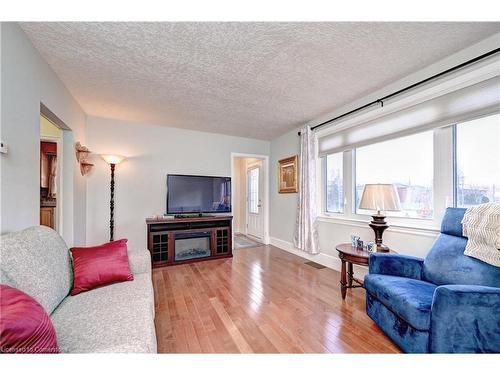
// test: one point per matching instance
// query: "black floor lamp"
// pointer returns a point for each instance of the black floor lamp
(112, 160)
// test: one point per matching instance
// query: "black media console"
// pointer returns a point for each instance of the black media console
(189, 239)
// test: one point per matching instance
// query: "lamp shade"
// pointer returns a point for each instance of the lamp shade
(113, 159)
(380, 197)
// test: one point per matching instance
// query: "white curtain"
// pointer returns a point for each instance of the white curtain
(306, 231)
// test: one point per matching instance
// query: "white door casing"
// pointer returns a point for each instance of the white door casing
(264, 163)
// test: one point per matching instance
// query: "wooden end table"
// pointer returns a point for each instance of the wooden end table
(350, 255)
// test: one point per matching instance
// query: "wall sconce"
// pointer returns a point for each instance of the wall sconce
(112, 160)
(82, 154)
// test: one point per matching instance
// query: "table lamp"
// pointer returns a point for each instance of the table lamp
(379, 197)
(112, 160)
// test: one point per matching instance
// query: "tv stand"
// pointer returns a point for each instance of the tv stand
(189, 239)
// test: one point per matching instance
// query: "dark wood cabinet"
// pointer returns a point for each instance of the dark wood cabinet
(47, 217)
(190, 239)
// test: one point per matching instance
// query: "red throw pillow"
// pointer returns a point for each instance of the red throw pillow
(100, 265)
(25, 327)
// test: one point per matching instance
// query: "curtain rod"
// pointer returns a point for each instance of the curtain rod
(381, 100)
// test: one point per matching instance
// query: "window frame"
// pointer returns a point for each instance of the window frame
(442, 188)
(444, 185)
(388, 214)
(250, 170)
(324, 181)
(454, 130)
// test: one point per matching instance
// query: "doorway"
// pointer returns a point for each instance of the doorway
(54, 130)
(254, 214)
(250, 196)
(53, 134)
(50, 172)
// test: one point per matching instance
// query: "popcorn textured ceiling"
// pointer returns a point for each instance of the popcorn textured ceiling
(255, 80)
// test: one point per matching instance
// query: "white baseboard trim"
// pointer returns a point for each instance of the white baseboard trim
(321, 258)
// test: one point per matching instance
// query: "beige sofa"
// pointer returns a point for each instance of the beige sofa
(114, 318)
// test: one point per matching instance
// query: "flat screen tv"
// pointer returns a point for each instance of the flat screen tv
(198, 194)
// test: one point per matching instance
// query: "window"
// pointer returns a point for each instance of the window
(406, 162)
(454, 165)
(334, 189)
(477, 170)
(253, 190)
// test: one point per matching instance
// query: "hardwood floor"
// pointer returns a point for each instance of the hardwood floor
(263, 300)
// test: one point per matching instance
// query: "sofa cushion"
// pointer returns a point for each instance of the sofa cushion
(114, 318)
(36, 261)
(100, 265)
(410, 299)
(25, 327)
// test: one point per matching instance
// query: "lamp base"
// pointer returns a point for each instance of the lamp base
(379, 225)
(382, 248)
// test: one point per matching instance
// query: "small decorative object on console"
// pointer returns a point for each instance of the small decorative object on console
(371, 247)
(354, 240)
(359, 244)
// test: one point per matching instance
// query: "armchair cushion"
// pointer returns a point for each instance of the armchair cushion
(446, 264)
(409, 339)
(408, 298)
(452, 222)
(465, 319)
(396, 265)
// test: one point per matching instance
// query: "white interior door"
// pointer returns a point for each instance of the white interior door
(255, 217)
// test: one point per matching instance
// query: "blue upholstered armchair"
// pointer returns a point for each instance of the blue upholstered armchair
(445, 303)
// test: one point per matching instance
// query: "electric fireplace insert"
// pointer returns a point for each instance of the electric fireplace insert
(192, 245)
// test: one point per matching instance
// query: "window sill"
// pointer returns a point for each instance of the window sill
(427, 231)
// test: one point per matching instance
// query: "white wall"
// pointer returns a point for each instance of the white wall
(153, 152)
(27, 81)
(331, 232)
(283, 207)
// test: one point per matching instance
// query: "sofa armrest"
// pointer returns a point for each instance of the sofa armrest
(396, 265)
(465, 319)
(139, 261)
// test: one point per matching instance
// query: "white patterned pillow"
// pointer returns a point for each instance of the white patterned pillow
(481, 225)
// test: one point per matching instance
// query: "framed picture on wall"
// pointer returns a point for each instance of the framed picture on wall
(288, 175)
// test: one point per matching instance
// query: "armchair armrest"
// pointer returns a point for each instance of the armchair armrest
(396, 265)
(465, 319)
